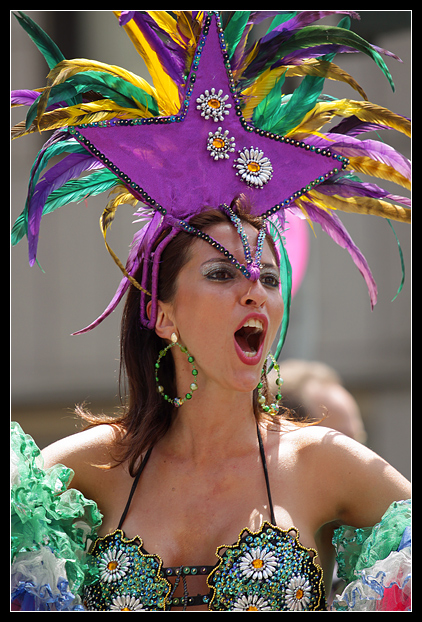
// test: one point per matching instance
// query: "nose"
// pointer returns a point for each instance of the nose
(254, 295)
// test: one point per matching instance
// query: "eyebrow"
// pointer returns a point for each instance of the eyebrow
(226, 260)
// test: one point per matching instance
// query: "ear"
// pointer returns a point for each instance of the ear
(164, 324)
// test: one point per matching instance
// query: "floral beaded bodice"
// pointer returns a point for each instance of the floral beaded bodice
(265, 570)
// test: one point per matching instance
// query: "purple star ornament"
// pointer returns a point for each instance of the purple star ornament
(208, 153)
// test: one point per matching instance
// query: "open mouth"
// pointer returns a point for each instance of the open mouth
(250, 337)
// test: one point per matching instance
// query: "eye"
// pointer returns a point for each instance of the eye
(219, 274)
(270, 280)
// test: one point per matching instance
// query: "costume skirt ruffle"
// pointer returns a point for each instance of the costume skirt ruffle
(376, 563)
(51, 526)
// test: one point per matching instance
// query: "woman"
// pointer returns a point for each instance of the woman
(210, 498)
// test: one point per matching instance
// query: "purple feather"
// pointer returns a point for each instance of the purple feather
(68, 168)
(353, 148)
(296, 57)
(344, 186)
(353, 126)
(172, 60)
(303, 19)
(140, 249)
(23, 97)
(331, 224)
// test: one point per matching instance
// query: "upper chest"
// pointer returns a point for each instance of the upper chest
(183, 514)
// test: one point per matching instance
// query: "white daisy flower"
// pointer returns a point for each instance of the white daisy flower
(251, 603)
(126, 603)
(253, 167)
(213, 105)
(113, 565)
(258, 564)
(220, 145)
(298, 594)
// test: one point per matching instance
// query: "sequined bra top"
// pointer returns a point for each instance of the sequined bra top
(265, 570)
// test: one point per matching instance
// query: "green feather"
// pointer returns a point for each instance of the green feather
(77, 190)
(234, 30)
(46, 46)
(311, 36)
(403, 272)
(286, 284)
(20, 228)
(122, 92)
(284, 16)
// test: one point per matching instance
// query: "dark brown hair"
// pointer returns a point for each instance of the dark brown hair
(147, 417)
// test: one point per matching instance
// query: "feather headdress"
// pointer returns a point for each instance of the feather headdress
(215, 109)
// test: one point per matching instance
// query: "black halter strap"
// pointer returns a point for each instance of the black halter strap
(134, 485)
(146, 458)
(267, 481)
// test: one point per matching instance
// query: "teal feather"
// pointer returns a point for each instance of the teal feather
(311, 36)
(234, 30)
(46, 46)
(403, 272)
(77, 190)
(73, 191)
(283, 17)
(111, 87)
(292, 109)
(20, 228)
(285, 281)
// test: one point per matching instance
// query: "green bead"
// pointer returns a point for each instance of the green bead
(188, 396)
(194, 372)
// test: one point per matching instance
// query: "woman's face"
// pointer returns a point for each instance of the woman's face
(227, 322)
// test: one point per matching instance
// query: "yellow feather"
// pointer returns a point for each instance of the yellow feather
(91, 112)
(366, 111)
(378, 169)
(362, 205)
(106, 219)
(314, 120)
(68, 68)
(321, 68)
(167, 94)
(255, 93)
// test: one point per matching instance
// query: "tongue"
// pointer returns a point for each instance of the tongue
(241, 337)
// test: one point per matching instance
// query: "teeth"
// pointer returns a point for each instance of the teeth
(254, 323)
(249, 354)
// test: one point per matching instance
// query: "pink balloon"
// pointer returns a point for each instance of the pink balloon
(297, 246)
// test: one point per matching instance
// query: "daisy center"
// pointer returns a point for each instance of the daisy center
(252, 608)
(112, 565)
(214, 103)
(299, 594)
(254, 167)
(218, 143)
(257, 563)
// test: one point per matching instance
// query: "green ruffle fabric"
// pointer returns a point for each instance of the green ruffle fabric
(358, 549)
(44, 513)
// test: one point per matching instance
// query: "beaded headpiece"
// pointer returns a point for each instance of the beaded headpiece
(214, 125)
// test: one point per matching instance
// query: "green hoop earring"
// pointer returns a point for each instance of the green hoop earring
(176, 401)
(273, 408)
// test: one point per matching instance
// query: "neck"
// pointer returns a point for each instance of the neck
(212, 423)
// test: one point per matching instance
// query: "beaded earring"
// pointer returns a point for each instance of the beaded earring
(177, 401)
(273, 408)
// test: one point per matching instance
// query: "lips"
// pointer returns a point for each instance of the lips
(249, 338)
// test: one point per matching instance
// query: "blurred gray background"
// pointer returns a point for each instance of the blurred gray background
(331, 317)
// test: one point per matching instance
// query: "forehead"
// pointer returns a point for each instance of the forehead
(226, 234)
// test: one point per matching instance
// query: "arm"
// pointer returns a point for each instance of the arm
(364, 483)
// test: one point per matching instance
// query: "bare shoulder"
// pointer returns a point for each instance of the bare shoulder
(84, 452)
(354, 481)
